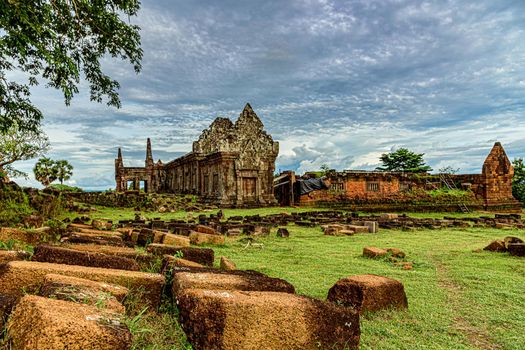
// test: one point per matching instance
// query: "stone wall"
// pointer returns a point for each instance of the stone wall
(374, 190)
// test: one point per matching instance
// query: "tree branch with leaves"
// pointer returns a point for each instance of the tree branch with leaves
(20, 144)
(60, 41)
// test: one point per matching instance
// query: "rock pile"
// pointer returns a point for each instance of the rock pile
(514, 245)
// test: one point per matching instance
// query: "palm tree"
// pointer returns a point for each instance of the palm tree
(45, 171)
(64, 170)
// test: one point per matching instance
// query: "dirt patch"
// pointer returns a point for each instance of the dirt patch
(42, 323)
(476, 337)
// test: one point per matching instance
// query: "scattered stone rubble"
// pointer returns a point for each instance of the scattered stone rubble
(98, 264)
(513, 245)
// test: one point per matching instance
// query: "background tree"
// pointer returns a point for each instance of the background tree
(45, 171)
(518, 181)
(20, 144)
(403, 160)
(448, 170)
(58, 41)
(64, 170)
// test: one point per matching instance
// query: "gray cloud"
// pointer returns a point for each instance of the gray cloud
(336, 82)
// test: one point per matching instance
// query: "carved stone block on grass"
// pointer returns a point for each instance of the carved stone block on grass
(374, 252)
(204, 256)
(516, 249)
(12, 255)
(368, 293)
(81, 290)
(176, 240)
(198, 238)
(243, 320)
(19, 277)
(228, 280)
(59, 255)
(39, 323)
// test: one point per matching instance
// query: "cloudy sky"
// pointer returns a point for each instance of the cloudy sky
(335, 82)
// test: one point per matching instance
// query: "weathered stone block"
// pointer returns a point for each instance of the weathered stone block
(373, 226)
(283, 232)
(374, 252)
(265, 320)
(204, 256)
(228, 280)
(496, 246)
(368, 293)
(81, 290)
(12, 255)
(89, 238)
(198, 238)
(516, 249)
(60, 255)
(227, 264)
(356, 228)
(510, 240)
(170, 262)
(39, 323)
(176, 240)
(125, 252)
(396, 252)
(206, 229)
(18, 277)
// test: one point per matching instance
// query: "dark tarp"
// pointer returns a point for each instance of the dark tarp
(309, 185)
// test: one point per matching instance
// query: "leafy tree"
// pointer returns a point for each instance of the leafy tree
(59, 41)
(518, 181)
(20, 144)
(64, 170)
(45, 171)
(403, 160)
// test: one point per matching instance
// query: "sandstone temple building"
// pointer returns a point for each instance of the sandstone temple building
(231, 164)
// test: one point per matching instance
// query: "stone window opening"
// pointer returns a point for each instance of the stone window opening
(337, 186)
(372, 186)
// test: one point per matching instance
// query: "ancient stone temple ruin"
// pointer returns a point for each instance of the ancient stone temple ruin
(380, 190)
(231, 164)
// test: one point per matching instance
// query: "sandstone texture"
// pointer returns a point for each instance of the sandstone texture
(18, 277)
(368, 293)
(39, 323)
(60, 255)
(265, 320)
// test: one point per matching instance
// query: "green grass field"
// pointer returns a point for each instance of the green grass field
(460, 297)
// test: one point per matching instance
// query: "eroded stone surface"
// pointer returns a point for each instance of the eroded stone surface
(228, 280)
(39, 323)
(19, 277)
(243, 320)
(60, 255)
(368, 293)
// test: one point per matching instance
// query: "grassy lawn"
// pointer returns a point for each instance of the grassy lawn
(460, 297)
(128, 213)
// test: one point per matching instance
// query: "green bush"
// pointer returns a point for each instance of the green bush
(66, 188)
